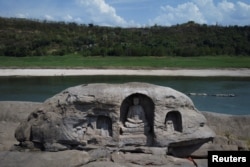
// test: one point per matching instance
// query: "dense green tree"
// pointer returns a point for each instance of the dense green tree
(23, 37)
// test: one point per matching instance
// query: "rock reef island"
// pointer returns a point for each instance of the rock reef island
(132, 124)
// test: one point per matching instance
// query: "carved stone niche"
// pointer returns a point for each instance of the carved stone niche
(173, 121)
(137, 120)
(104, 126)
(98, 130)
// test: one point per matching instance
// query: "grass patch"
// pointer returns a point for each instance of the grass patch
(77, 61)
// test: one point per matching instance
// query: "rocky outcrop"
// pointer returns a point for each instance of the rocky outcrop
(118, 116)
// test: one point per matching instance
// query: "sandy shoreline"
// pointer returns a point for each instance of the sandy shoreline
(139, 72)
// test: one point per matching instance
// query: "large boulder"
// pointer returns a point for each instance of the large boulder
(118, 116)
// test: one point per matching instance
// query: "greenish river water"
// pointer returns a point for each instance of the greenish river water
(39, 89)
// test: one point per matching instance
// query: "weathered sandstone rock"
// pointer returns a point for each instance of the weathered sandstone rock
(117, 116)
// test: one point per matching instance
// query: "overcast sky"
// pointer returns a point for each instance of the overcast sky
(131, 13)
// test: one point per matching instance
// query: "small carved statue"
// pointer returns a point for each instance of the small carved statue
(105, 128)
(170, 126)
(135, 114)
(136, 121)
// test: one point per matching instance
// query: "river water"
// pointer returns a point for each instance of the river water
(38, 89)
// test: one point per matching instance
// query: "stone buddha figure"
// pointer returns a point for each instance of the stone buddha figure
(136, 122)
(169, 126)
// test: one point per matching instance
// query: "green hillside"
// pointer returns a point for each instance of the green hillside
(22, 37)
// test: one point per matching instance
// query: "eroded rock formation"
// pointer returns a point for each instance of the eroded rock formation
(131, 117)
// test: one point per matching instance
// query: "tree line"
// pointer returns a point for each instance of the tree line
(25, 37)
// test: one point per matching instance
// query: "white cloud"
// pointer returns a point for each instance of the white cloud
(102, 13)
(127, 1)
(78, 20)
(244, 11)
(234, 13)
(182, 13)
(68, 18)
(226, 7)
(205, 11)
(22, 15)
(209, 10)
(122, 12)
(244, 6)
(48, 17)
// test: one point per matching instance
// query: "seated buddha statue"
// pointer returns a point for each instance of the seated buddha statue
(136, 122)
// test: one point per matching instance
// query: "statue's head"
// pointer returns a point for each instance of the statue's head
(169, 122)
(136, 100)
